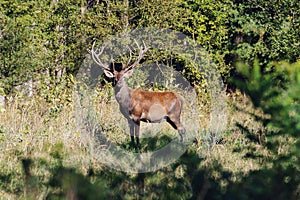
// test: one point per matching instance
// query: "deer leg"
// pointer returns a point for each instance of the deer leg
(181, 131)
(132, 127)
(137, 133)
(175, 123)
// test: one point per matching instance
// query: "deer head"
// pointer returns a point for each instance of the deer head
(110, 71)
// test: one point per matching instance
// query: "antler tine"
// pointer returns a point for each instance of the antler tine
(96, 55)
(113, 63)
(145, 45)
(130, 56)
(141, 54)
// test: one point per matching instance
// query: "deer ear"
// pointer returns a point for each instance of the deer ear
(108, 74)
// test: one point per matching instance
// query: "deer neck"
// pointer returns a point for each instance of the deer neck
(123, 95)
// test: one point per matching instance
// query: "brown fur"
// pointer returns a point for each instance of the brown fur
(164, 104)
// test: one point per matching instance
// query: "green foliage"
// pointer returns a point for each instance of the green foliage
(47, 38)
(275, 93)
(21, 43)
(268, 30)
(51, 37)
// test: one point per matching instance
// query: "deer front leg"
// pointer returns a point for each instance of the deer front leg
(132, 130)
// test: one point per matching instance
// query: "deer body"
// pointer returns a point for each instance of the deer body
(145, 106)
(151, 107)
(154, 106)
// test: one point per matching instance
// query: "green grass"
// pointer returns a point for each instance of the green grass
(38, 141)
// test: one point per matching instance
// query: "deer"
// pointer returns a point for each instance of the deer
(137, 105)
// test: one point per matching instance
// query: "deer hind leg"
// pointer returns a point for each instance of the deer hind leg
(175, 123)
(137, 133)
(181, 132)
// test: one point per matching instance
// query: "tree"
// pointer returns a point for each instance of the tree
(275, 93)
(267, 30)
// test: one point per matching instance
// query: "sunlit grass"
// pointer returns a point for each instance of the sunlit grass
(31, 129)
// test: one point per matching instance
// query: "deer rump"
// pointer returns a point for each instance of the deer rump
(154, 107)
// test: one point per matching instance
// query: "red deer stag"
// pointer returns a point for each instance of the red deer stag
(137, 105)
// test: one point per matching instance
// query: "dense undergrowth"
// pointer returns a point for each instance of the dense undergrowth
(44, 155)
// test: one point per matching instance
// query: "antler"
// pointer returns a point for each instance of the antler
(142, 51)
(96, 54)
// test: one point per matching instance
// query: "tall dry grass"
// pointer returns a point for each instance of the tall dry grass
(31, 128)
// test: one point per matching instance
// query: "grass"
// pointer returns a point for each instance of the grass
(30, 130)
(47, 138)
